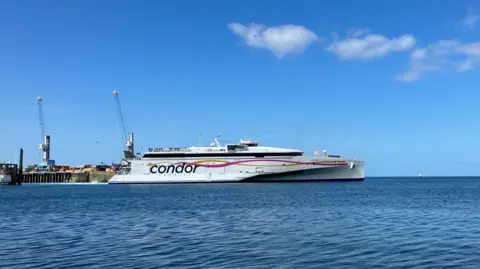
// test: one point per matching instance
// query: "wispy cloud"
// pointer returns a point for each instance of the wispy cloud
(471, 19)
(442, 56)
(280, 40)
(360, 44)
(439, 56)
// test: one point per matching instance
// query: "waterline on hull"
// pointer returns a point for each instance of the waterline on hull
(242, 181)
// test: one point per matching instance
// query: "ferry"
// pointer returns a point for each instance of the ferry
(245, 161)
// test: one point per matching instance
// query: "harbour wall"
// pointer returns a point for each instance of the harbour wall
(100, 176)
(66, 177)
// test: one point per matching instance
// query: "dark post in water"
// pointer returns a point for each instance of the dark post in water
(20, 168)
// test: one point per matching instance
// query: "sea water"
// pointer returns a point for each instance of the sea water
(380, 223)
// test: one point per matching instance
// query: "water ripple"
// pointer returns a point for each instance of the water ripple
(380, 223)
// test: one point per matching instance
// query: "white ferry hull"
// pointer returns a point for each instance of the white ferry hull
(335, 173)
(242, 170)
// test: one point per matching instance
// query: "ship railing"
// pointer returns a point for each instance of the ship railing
(184, 149)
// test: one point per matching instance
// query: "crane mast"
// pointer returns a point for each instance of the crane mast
(40, 117)
(127, 139)
(123, 132)
(45, 145)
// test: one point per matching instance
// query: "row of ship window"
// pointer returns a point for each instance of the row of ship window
(226, 154)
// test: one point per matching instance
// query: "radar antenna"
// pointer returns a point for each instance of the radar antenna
(217, 143)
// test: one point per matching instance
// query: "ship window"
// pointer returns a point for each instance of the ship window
(236, 147)
(221, 154)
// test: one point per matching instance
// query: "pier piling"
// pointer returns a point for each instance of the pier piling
(20, 168)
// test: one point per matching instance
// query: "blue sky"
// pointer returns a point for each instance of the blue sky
(396, 82)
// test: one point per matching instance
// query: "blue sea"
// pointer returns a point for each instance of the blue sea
(380, 223)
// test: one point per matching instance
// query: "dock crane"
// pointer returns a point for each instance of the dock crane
(45, 145)
(127, 139)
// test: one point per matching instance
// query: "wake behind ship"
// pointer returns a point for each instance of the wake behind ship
(245, 161)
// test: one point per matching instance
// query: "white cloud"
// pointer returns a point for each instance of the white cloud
(280, 40)
(369, 46)
(471, 19)
(442, 56)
